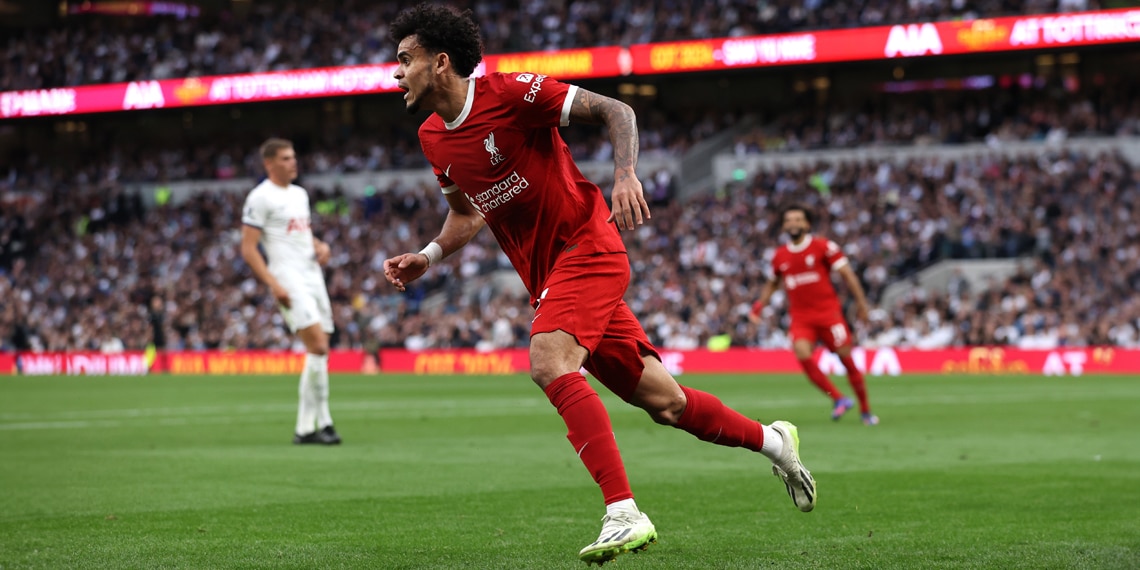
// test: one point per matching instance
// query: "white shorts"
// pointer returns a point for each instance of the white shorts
(308, 303)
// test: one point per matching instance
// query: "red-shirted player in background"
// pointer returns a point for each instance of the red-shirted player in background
(804, 267)
(494, 145)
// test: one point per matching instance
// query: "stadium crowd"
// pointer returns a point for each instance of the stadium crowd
(274, 36)
(349, 150)
(952, 117)
(91, 266)
(933, 117)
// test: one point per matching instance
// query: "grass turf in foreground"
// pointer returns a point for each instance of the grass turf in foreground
(475, 472)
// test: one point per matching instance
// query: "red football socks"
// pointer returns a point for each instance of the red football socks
(858, 384)
(710, 420)
(591, 434)
(820, 379)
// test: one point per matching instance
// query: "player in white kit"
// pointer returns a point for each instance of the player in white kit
(276, 214)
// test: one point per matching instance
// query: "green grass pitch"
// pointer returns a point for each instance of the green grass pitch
(475, 472)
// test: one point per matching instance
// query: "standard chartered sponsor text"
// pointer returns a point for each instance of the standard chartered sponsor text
(501, 193)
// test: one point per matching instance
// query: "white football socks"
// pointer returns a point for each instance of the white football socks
(307, 406)
(773, 443)
(318, 367)
(624, 505)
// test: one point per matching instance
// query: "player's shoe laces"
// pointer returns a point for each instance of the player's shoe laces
(624, 532)
(841, 407)
(796, 477)
(870, 419)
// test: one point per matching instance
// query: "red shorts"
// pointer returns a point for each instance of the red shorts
(831, 333)
(583, 297)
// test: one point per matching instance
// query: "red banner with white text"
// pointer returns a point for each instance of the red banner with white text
(876, 362)
(255, 362)
(857, 44)
(889, 42)
(283, 85)
(82, 363)
(205, 362)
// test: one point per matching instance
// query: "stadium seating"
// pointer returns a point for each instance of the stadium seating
(101, 257)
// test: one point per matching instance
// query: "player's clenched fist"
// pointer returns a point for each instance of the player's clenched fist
(404, 269)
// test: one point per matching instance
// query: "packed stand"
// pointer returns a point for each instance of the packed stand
(1074, 214)
(95, 268)
(993, 116)
(271, 36)
(127, 161)
(108, 273)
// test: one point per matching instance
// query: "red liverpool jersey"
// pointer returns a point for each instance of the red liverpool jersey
(504, 153)
(806, 271)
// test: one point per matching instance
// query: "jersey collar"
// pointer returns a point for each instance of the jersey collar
(466, 107)
(798, 248)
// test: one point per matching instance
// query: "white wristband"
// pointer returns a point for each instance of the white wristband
(433, 252)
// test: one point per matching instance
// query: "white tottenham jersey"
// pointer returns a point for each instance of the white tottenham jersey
(282, 214)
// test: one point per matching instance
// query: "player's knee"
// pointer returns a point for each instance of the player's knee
(802, 350)
(553, 355)
(317, 346)
(665, 409)
(544, 371)
(543, 376)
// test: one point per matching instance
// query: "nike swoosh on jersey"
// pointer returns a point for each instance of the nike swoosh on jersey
(447, 171)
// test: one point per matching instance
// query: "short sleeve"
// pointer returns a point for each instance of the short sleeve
(540, 102)
(254, 212)
(775, 267)
(446, 184)
(834, 255)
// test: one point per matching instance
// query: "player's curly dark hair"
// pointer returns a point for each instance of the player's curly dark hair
(808, 215)
(442, 29)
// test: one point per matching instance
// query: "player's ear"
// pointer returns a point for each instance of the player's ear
(442, 63)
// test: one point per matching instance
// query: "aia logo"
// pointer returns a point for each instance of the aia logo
(298, 225)
(489, 145)
(913, 40)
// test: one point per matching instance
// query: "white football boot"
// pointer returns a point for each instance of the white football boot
(625, 532)
(790, 470)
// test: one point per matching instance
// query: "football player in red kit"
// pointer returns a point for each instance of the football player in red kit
(804, 267)
(493, 142)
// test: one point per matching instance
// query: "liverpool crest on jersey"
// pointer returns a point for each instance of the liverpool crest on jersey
(489, 144)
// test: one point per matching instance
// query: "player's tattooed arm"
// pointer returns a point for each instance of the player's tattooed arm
(629, 207)
(619, 118)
